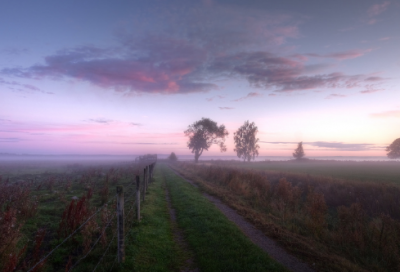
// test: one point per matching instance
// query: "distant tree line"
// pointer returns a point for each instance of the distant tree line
(204, 133)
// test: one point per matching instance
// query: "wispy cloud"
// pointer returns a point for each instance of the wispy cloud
(249, 95)
(215, 97)
(226, 108)
(136, 124)
(100, 120)
(370, 89)
(335, 145)
(14, 51)
(387, 114)
(332, 96)
(349, 54)
(128, 143)
(377, 9)
(21, 87)
(10, 139)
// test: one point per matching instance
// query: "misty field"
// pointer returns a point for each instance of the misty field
(351, 170)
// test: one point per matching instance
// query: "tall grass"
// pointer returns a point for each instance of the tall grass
(354, 220)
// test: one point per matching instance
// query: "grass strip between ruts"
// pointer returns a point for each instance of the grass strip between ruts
(217, 243)
(149, 244)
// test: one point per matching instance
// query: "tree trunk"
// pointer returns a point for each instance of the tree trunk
(196, 157)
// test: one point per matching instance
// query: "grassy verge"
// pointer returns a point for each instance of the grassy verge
(217, 243)
(150, 245)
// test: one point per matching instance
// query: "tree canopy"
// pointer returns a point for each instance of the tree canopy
(299, 151)
(172, 157)
(204, 133)
(393, 150)
(246, 146)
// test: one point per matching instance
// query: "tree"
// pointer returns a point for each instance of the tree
(299, 152)
(204, 133)
(172, 157)
(394, 149)
(246, 146)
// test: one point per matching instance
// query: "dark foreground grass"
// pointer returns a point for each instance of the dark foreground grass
(149, 244)
(217, 243)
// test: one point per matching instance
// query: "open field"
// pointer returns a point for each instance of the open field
(351, 170)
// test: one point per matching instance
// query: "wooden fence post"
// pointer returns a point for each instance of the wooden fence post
(138, 198)
(144, 184)
(147, 177)
(120, 223)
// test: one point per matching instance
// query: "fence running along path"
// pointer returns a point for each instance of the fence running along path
(144, 165)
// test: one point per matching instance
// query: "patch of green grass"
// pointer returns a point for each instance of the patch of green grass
(217, 243)
(150, 245)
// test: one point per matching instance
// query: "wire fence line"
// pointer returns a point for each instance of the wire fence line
(54, 249)
(145, 163)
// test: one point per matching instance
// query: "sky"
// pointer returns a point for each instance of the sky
(128, 77)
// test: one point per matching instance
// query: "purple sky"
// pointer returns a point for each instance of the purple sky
(128, 77)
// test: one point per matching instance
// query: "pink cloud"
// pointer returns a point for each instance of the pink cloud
(214, 97)
(387, 114)
(378, 9)
(370, 89)
(350, 54)
(331, 96)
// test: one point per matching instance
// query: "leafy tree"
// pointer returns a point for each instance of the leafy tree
(246, 146)
(394, 149)
(202, 134)
(299, 152)
(172, 157)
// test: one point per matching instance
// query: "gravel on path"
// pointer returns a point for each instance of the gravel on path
(257, 236)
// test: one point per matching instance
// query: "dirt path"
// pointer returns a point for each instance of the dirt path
(257, 236)
(178, 236)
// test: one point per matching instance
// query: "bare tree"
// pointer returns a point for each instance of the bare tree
(204, 133)
(246, 146)
(299, 151)
(393, 150)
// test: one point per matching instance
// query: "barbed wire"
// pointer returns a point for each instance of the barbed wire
(98, 239)
(104, 205)
(109, 244)
(54, 249)
(108, 224)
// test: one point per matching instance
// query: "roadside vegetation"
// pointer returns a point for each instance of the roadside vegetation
(338, 225)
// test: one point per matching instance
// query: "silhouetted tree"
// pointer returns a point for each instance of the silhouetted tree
(394, 149)
(299, 152)
(172, 157)
(246, 146)
(202, 134)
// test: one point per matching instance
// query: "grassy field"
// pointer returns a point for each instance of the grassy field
(360, 171)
